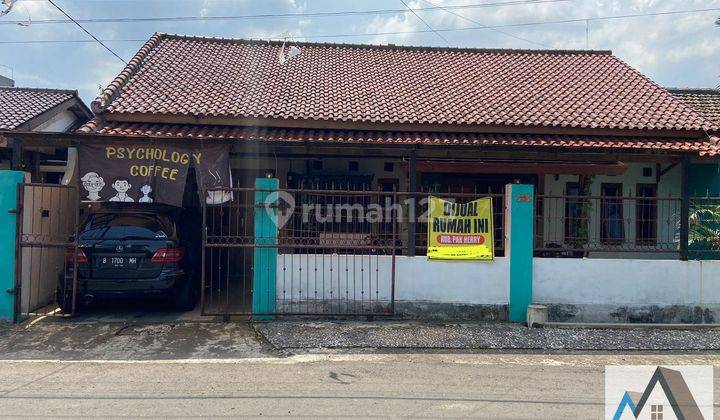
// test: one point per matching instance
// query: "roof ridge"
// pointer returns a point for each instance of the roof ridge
(681, 90)
(113, 89)
(35, 89)
(389, 46)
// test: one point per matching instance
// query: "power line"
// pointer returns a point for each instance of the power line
(282, 15)
(480, 24)
(425, 23)
(419, 31)
(521, 24)
(86, 31)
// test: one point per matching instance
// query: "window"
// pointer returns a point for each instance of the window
(611, 214)
(353, 166)
(573, 213)
(646, 215)
(389, 166)
(656, 412)
(317, 165)
(123, 226)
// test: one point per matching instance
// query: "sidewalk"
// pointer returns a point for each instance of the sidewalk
(67, 339)
(298, 336)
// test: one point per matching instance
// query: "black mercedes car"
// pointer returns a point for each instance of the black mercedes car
(133, 251)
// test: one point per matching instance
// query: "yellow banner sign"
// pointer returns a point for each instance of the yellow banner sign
(460, 231)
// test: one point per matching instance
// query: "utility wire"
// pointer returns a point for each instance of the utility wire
(425, 23)
(349, 35)
(480, 24)
(285, 15)
(87, 32)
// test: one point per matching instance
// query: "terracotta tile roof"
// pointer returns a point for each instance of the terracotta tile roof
(706, 147)
(192, 77)
(705, 101)
(20, 105)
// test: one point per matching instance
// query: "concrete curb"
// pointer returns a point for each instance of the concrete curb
(616, 326)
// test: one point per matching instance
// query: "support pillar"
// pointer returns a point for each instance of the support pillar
(17, 155)
(519, 234)
(265, 250)
(9, 210)
(412, 219)
(684, 210)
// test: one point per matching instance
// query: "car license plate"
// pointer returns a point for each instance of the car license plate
(118, 262)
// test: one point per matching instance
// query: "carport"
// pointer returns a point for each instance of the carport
(250, 264)
(44, 222)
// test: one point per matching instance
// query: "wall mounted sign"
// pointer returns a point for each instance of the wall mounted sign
(151, 174)
(460, 231)
(213, 174)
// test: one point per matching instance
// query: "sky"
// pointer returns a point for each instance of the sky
(678, 50)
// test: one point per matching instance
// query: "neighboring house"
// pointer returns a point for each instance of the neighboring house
(40, 110)
(707, 102)
(573, 123)
(5, 81)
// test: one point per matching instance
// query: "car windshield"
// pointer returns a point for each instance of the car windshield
(127, 226)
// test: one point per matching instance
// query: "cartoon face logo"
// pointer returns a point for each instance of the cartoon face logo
(145, 190)
(93, 184)
(122, 185)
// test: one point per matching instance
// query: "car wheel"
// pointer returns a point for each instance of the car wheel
(64, 301)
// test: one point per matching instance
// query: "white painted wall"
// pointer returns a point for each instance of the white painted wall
(59, 123)
(585, 281)
(469, 282)
(669, 185)
(619, 282)
(327, 276)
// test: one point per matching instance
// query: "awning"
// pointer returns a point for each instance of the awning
(701, 146)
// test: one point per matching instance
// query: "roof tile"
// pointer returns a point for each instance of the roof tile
(705, 101)
(207, 77)
(20, 105)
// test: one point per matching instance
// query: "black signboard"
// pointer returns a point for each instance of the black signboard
(150, 174)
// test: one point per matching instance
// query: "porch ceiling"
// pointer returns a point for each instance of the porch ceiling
(490, 167)
(703, 147)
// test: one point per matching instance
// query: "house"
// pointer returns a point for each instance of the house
(6, 81)
(706, 102)
(608, 158)
(40, 110)
(441, 120)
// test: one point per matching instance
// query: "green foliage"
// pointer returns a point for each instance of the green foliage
(704, 227)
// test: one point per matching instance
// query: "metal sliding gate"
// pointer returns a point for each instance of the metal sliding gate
(300, 252)
(47, 224)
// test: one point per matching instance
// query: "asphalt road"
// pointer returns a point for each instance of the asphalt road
(344, 385)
